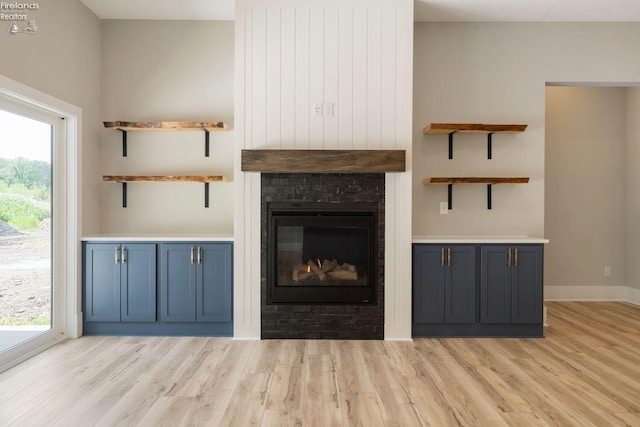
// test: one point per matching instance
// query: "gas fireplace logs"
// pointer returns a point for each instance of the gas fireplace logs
(320, 270)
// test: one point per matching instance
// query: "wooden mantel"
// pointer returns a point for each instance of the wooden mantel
(323, 161)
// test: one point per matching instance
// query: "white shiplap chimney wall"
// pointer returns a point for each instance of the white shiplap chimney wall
(354, 56)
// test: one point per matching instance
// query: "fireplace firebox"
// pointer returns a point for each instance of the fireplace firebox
(322, 253)
(330, 210)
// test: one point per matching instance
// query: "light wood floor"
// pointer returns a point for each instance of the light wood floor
(586, 372)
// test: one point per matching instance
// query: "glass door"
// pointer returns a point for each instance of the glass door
(26, 188)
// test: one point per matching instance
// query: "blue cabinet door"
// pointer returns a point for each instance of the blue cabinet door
(214, 283)
(511, 284)
(178, 282)
(526, 288)
(460, 285)
(102, 282)
(138, 282)
(495, 284)
(444, 284)
(428, 284)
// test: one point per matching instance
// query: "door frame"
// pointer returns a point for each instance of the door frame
(66, 220)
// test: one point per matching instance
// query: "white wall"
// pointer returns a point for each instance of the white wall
(167, 71)
(585, 185)
(63, 60)
(632, 195)
(355, 55)
(497, 72)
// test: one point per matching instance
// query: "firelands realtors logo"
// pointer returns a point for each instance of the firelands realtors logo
(18, 14)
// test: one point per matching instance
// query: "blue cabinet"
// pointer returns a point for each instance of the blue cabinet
(511, 284)
(158, 288)
(444, 284)
(120, 282)
(196, 282)
(477, 290)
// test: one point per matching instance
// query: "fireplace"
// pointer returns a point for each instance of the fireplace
(316, 224)
(322, 253)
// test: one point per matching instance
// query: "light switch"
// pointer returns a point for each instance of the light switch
(328, 109)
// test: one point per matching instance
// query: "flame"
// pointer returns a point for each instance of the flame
(308, 269)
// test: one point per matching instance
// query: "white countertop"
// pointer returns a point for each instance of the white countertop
(478, 239)
(158, 238)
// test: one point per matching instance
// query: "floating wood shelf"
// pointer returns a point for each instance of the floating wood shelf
(441, 128)
(472, 128)
(323, 161)
(124, 179)
(166, 126)
(164, 178)
(489, 181)
(125, 127)
(476, 180)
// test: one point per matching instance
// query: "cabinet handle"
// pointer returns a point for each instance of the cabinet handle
(116, 255)
(449, 257)
(509, 258)
(516, 257)
(441, 257)
(199, 255)
(124, 255)
(192, 254)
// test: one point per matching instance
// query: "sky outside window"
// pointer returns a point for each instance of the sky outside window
(23, 137)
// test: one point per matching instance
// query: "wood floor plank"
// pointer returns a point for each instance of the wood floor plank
(284, 400)
(586, 372)
(547, 406)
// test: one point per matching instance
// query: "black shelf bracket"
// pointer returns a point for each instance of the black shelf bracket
(489, 145)
(124, 142)
(206, 194)
(451, 148)
(450, 196)
(124, 194)
(489, 155)
(206, 143)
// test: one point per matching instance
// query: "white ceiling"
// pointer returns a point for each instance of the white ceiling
(425, 10)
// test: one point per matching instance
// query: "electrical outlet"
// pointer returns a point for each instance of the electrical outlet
(444, 208)
(607, 271)
(316, 109)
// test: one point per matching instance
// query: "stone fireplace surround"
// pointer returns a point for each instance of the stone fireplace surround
(322, 321)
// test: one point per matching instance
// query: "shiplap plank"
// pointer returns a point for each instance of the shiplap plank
(359, 116)
(374, 78)
(404, 74)
(388, 79)
(258, 94)
(288, 78)
(316, 75)
(344, 107)
(331, 77)
(248, 79)
(273, 77)
(302, 77)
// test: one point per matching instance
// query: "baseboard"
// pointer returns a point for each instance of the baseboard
(592, 293)
(633, 296)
